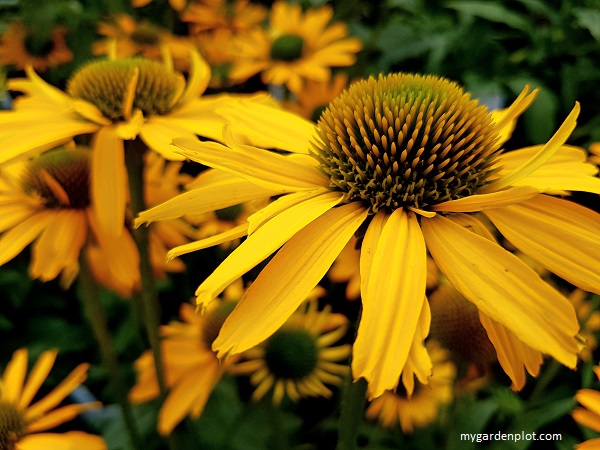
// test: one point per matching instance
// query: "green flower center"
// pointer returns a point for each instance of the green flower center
(287, 47)
(213, 322)
(105, 84)
(230, 213)
(12, 426)
(61, 177)
(291, 354)
(405, 141)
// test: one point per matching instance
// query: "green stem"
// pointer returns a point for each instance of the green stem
(91, 301)
(352, 412)
(543, 381)
(134, 160)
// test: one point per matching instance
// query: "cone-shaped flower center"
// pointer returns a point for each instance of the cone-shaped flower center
(61, 177)
(108, 84)
(287, 47)
(291, 354)
(12, 426)
(213, 321)
(405, 141)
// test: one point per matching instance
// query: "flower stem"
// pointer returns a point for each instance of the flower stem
(352, 412)
(134, 160)
(97, 318)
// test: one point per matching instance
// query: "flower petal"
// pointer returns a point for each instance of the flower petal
(562, 236)
(36, 377)
(504, 288)
(16, 239)
(478, 202)
(71, 440)
(226, 236)
(14, 376)
(505, 119)
(109, 180)
(60, 416)
(392, 304)
(288, 278)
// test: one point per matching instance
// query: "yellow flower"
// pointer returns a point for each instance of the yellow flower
(589, 414)
(46, 201)
(595, 153)
(423, 406)
(177, 5)
(13, 50)
(316, 95)
(217, 49)
(234, 15)
(404, 159)
(296, 47)
(116, 101)
(298, 359)
(23, 426)
(192, 369)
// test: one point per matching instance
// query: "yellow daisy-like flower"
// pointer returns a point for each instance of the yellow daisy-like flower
(296, 46)
(192, 369)
(46, 201)
(13, 50)
(234, 15)
(23, 426)
(177, 5)
(217, 49)
(116, 101)
(316, 95)
(298, 359)
(403, 159)
(588, 414)
(423, 406)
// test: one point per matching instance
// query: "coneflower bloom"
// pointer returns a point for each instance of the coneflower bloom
(24, 426)
(235, 15)
(402, 161)
(115, 101)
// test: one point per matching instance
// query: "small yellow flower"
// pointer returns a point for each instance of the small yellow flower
(234, 15)
(588, 414)
(23, 426)
(298, 360)
(115, 101)
(177, 5)
(315, 97)
(422, 407)
(192, 369)
(217, 48)
(297, 46)
(13, 50)
(405, 159)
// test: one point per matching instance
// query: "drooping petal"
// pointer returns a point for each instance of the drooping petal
(392, 304)
(288, 278)
(505, 119)
(561, 235)
(198, 80)
(226, 236)
(546, 152)
(109, 180)
(504, 288)
(264, 241)
(478, 202)
(513, 355)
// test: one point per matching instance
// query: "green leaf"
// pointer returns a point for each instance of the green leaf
(589, 19)
(493, 12)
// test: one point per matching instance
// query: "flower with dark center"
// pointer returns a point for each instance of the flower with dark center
(403, 161)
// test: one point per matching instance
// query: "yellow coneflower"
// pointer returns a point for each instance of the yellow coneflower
(588, 414)
(422, 407)
(46, 201)
(13, 49)
(23, 426)
(298, 360)
(296, 46)
(116, 101)
(217, 49)
(234, 15)
(315, 97)
(403, 158)
(177, 5)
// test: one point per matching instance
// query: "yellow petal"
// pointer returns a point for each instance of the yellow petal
(60, 416)
(288, 278)
(158, 132)
(226, 236)
(263, 242)
(478, 202)
(268, 126)
(513, 355)
(16, 239)
(392, 304)
(13, 377)
(562, 236)
(210, 197)
(590, 399)
(109, 180)
(89, 111)
(418, 363)
(530, 166)
(505, 119)
(504, 288)
(37, 376)
(71, 440)
(198, 80)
